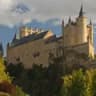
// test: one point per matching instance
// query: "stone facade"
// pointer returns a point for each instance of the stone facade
(78, 33)
(33, 46)
(33, 51)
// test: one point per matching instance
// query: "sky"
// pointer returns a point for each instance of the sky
(45, 14)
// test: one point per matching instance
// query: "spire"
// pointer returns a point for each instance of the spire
(62, 22)
(17, 36)
(81, 13)
(1, 49)
(62, 26)
(90, 22)
(14, 37)
(69, 20)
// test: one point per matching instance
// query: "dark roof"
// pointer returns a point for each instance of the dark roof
(28, 39)
(81, 13)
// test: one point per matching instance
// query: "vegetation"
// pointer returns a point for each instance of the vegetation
(41, 81)
(38, 81)
(3, 75)
(79, 84)
(53, 81)
(6, 86)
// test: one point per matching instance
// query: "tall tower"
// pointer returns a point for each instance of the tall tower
(82, 23)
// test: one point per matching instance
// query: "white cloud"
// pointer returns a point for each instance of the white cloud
(5, 5)
(43, 10)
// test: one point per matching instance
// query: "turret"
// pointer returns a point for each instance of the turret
(91, 32)
(62, 26)
(81, 13)
(1, 50)
(14, 38)
(82, 26)
(63, 31)
(69, 22)
(90, 22)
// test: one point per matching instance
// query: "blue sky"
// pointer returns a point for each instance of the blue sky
(44, 14)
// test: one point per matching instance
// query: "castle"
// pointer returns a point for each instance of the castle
(79, 35)
(34, 46)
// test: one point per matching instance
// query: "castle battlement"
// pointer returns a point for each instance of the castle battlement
(26, 31)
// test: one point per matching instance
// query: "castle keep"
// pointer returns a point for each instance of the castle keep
(79, 35)
(34, 46)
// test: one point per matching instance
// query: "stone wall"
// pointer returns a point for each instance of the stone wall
(36, 52)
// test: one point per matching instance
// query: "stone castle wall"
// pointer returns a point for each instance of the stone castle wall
(34, 52)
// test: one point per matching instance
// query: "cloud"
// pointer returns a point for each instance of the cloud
(5, 5)
(13, 12)
(20, 9)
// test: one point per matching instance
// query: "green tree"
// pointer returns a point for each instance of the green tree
(66, 87)
(3, 75)
(78, 83)
(93, 86)
(20, 92)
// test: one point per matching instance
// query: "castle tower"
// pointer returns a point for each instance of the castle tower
(82, 26)
(79, 34)
(23, 32)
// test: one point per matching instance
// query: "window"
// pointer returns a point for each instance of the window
(37, 54)
(18, 59)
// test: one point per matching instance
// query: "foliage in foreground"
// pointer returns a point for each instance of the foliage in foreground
(6, 86)
(40, 81)
(79, 83)
(3, 75)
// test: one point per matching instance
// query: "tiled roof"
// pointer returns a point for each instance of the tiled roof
(28, 39)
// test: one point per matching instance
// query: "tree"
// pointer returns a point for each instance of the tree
(3, 75)
(77, 84)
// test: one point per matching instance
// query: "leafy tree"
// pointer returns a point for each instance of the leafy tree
(66, 86)
(3, 75)
(93, 79)
(78, 83)
(15, 69)
(20, 92)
